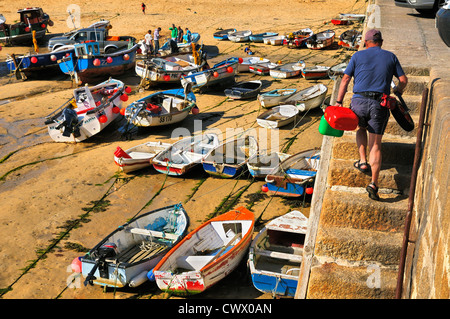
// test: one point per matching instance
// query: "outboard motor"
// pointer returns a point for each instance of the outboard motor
(107, 250)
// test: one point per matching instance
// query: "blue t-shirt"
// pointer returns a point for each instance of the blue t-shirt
(373, 70)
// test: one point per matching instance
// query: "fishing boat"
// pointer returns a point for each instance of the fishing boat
(139, 156)
(259, 37)
(275, 97)
(276, 40)
(297, 39)
(315, 72)
(169, 69)
(239, 36)
(206, 255)
(321, 40)
(276, 253)
(284, 71)
(39, 64)
(293, 175)
(245, 63)
(277, 116)
(223, 34)
(352, 16)
(32, 20)
(262, 68)
(222, 73)
(170, 47)
(244, 90)
(309, 98)
(184, 155)
(88, 64)
(125, 256)
(350, 39)
(161, 108)
(89, 111)
(341, 21)
(337, 70)
(264, 163)
(229, 159)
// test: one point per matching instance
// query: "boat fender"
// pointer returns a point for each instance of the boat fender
(76, 265)
(138, 279)
(151, 275)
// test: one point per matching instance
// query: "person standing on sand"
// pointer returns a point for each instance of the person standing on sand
(148, 43)
(372, 70)
(188, 35)
(156, 37)
(143, 7)
(180, 35)
(174, 32)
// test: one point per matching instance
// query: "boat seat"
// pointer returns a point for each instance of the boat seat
(279, 255)
(198, 262)
(139, 155)
(153, 233)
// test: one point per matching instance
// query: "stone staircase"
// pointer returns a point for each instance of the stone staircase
(358, 240)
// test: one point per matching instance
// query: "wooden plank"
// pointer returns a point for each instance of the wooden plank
(279, 255)
(153, 233)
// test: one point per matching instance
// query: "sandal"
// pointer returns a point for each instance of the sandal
(358, 165)
(372, 189)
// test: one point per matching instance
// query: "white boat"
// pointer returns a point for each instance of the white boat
(244, 90)
(315, 72)
(278, 116)
(262, 68)
(125, 256)
(287, 70)
(139, 156)
(276, 40)
(308, 98)
(352, 16)
(350, 39)
(207, 254)
(245, 63)
(275, 97)
(182, 156)
(264, 163)
(240, 36)
(276, 254)
(321, 40)
(89, 111)
(337, 70)
(171, 47)
(221, 73)
(161, 108)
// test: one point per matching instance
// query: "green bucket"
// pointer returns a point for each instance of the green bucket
(326, 129)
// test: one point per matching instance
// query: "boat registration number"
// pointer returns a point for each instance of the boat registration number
(165, 119)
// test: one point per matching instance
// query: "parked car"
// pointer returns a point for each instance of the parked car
(421, 6)
(443, 23)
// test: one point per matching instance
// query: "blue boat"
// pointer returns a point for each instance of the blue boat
(275, 255)
(229, 159)
(293, 175)
(220, 74)
(39, 64)
(88, 64)
(184, 47)
(259, 37)
(223, 34)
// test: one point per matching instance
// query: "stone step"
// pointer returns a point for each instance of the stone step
(416, 85)
(356, 245)
(394, 129)
(391, 177)
(333, 281)
(394, 150)
(416, 70)
(354, 209)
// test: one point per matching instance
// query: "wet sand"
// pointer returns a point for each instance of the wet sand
(58, 199)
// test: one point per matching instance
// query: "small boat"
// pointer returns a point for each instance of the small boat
(264, 163)
(293, 175)
(89, 111)
(182, 156)
(206, 255)
(222, 73)
(321, 40)
(169, 69)
(297, 39)
(32, 20)
(245, 63)
(352, 16)
(244, 90)
(341, 21)
(275, 97)
(309, 98)
(315, 72)
(139, 156)
(276, 254)
(285, 71)
(171, 47)
(278, 116)
(350, 39)
(161, 108)
(223, 34)
(125, 256)
(276, 40)
(262, 68)
(39, 64)
(259, 37)
(88, 64)
(239, 36)
(229, 159)
(337, 70)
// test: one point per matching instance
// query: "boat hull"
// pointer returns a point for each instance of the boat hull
(220, 74)
(139, 157)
